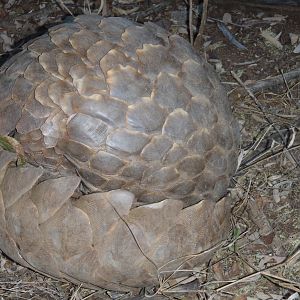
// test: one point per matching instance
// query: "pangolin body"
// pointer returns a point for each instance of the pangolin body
(134, 115)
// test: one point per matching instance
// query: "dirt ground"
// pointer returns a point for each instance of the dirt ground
(261, 258)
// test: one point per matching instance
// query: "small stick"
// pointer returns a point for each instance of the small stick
(203, 20)
(264, 84)
(63, 7)
(191, 22)
(102, 8)
(211, 19)
(281, 151)
(153, 9)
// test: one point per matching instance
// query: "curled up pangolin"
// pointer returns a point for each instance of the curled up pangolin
(130, 145)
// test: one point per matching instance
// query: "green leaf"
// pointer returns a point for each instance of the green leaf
(5, 144)
(12, 145)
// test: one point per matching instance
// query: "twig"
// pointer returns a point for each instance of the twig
(229, 36)
(133, 236)
(211, 19)
(98, 293)
(267, 83)
(75, 294)
(203, 21)
(87, 10)
(155, 8)
(245, 63)
(288, 93)
(102, 8)
(191, 22)
(265, 158)
(63, 7)
(283, 282)
(250, 93)
(188, 258)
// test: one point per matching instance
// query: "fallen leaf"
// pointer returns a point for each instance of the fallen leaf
(218, 270)
(262, 296)
(227, 18)
(297, 49)
(294, 296)
(294, 38)
(270, 260)
(7, 41)
(271, 38)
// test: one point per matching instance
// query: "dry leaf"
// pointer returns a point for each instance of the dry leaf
(294, 296)
(7, 41)
(294, 38)
(267, 260)
(227, 18)
(271, 38)
(297, 49)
